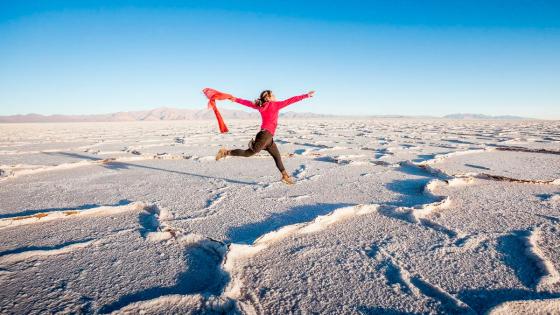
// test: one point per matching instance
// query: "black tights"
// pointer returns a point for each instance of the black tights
(263, 141)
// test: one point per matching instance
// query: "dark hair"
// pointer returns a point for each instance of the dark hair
(262, 98)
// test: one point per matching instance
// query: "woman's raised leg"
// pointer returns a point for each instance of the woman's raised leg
(262, 140)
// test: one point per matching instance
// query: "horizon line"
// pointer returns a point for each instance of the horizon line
(487, 116)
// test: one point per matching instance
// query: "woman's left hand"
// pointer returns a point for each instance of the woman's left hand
(311, 93)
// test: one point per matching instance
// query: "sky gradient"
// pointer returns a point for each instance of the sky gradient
(392, 57)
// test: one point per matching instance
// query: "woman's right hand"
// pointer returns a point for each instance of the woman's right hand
(310, 94)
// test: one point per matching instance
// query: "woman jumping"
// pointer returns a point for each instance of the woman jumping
(269, 107)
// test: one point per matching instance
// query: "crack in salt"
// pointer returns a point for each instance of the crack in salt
(550, 278)
(419, 286)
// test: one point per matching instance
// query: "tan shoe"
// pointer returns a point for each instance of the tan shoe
(286, 179)
(222, 154)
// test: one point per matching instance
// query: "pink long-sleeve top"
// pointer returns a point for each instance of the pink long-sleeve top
(269, 110)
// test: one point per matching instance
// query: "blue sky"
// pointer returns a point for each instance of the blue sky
(362, 57)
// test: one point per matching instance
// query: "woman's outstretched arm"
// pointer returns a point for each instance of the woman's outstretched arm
(243, 102)
(294, 99)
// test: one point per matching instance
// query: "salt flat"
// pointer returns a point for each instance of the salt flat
(386, 216)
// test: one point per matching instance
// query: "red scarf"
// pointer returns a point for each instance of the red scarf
(214, 95)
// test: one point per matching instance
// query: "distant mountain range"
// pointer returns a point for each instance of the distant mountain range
(481, 116)
(163, 113)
